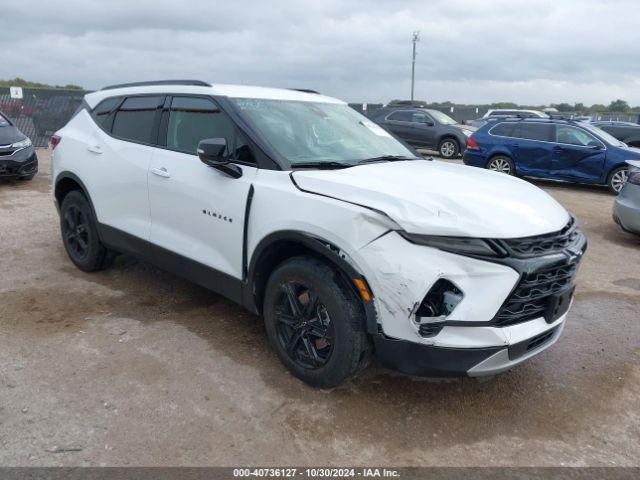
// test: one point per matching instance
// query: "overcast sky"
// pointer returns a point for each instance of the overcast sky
(526, 51)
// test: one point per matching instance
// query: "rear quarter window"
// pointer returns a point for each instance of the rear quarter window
(502, 130)
(135, 119)
(101, 113)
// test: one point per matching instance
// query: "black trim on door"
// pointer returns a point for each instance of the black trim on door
(245, 232)
(203, 275)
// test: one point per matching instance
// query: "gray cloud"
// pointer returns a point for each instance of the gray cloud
(538, 51)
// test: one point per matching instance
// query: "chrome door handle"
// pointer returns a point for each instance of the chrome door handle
(161, 172)
(95, 149)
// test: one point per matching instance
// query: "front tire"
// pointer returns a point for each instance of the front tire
(449, 148)
(79, 231)
(314, 323)
(501, 164)
(617, 178)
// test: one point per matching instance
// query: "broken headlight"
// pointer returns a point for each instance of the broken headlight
(460, 245)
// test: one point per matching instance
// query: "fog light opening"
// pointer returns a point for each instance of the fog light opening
(440, 301)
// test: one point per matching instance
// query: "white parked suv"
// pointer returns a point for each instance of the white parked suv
(345, 240)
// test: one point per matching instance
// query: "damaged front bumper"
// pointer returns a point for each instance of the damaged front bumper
(484, 333)
(433, 361)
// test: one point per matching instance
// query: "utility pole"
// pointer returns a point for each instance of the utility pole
(416, 38)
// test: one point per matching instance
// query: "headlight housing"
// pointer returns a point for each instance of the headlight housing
(634, 176)
(22, 144)
(467, 132)
(460, 245)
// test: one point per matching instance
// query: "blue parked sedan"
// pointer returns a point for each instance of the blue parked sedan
(555, 149)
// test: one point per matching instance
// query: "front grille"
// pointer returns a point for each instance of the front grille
(6, 153)
(534, 294)
(8, 170)
(544, 244)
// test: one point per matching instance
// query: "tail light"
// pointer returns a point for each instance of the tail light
(472, 144)
(53, 143)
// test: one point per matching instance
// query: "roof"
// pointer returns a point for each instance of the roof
(201, 88)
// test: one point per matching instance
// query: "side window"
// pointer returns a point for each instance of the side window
(573, 136)
(502, 130)
(419, 118)
(135, 118)
(103, 109)
(401, 116)
(192, 119)
(537, 131)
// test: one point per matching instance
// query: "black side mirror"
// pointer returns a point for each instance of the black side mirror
(212, 152)
(428, 123)
(595, 145)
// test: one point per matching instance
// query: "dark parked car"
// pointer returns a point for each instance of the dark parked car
(17, 156)
(425, 128)
(555, 149)
(626, 208)
(626, 132)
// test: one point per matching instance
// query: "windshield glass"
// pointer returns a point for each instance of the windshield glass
(442, 118)
(3, 121)
(304, 132)
(603, 135)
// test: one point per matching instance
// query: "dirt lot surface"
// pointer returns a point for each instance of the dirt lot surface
(133, 366)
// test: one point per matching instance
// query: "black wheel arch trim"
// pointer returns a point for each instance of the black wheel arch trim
(321, 247)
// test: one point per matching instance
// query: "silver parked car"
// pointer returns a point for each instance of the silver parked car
(626, 208)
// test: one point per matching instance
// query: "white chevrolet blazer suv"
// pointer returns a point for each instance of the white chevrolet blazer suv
(342, 237)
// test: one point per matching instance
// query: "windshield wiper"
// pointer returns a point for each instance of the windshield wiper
(386, 158)
(321, 165)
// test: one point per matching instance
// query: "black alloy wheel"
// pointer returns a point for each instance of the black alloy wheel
(304, 328)
(75, 232)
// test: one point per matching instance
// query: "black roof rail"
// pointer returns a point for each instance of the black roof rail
(194, 83)
(305, 90)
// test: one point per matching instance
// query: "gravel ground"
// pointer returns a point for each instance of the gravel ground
(133, 366)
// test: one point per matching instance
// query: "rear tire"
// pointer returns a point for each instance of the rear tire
(78, 227)
(449, 148)
(314, 323)
(616, 179)
(501, 164)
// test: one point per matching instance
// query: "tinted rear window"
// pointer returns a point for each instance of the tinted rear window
(536, 131)
(503, 129)
(135, 117)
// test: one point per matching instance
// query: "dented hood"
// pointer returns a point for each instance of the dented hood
(438, 198)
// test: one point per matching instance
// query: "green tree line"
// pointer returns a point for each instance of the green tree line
(21, 82)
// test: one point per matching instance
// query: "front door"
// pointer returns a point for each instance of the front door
(196, 210)
(577, 154)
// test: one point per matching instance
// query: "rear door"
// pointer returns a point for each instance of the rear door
(121, 153)
(577, 154)
(198, 211)
(531, 148)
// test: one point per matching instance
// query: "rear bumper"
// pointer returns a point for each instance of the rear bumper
(430, 361)
(474, 158)
(19, 165)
